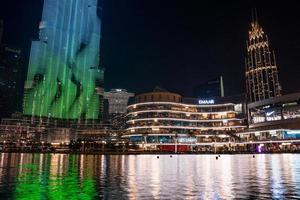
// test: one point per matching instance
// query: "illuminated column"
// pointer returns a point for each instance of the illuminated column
(64, 74)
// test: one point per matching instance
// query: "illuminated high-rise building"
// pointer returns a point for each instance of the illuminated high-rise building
(64, 80)
(261, 69)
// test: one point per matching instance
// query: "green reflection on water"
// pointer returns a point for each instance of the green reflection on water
(34, 183)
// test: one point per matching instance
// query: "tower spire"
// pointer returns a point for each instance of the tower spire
(254, 17)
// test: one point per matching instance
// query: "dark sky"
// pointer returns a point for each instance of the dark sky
(176, 44)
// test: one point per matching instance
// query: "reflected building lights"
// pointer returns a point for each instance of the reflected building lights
(226, 177)
(156, 176)
(131, 177)
(276, 178)
(146, 177)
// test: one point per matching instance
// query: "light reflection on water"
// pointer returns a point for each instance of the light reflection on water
(61, 176)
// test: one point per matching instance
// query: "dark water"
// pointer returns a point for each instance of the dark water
(58, 176)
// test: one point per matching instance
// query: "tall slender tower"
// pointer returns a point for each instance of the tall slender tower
(261, 69)
(64, 79)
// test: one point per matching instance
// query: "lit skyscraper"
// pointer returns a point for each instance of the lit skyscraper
(64, 80)
(261, 69)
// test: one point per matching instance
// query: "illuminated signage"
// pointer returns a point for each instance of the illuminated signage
(270, 113)
(206, 101)
(294, 132)
(187, 140)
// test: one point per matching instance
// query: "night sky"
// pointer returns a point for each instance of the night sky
(176, 44)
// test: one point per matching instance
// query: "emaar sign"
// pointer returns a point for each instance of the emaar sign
(206, 101)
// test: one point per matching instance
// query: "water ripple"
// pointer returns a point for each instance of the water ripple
(58, 176)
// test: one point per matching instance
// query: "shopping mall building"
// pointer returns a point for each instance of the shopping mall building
(274, 124)
(166, 121)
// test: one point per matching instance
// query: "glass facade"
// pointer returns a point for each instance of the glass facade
(268, 113)
(64, 77)
(163, 122)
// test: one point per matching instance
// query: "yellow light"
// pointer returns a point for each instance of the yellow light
(286, 143)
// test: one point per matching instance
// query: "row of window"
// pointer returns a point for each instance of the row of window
(158, 97)
(181, 108)
(182, 116)
(187, 124)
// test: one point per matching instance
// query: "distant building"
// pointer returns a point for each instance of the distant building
(11, 80)
(212, 88)
(117, 100)
(261, 68)
(115, 108)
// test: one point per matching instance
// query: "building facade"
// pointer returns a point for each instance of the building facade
(282, 112)
(117, 100)
(274, 125)
(162, 119)
(64, 80)
(261, 68)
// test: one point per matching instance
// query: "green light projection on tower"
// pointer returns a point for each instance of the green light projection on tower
(64, 78)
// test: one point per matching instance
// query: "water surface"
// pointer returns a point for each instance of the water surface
(62, 176)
